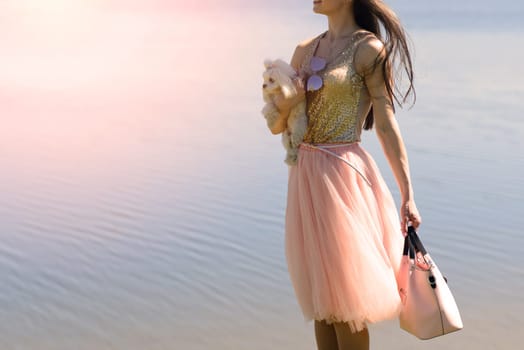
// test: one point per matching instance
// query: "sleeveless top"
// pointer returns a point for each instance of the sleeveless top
(332, 110)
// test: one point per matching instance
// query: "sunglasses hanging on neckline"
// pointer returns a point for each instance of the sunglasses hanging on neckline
(315, 82)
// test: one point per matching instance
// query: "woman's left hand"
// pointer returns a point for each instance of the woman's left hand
(285, 104)
(409, 212)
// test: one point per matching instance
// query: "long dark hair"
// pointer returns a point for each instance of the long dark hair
(375, 16)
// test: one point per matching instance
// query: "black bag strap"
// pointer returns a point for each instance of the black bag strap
(415, 240)
(406, 246)
(409, 249)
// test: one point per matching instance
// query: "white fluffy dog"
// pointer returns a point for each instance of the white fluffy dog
(279, 76)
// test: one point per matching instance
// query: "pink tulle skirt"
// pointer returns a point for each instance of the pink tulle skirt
(343, 237)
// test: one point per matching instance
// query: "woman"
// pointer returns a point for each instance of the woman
(344, 236)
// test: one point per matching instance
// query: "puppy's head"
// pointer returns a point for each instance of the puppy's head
(279, 75)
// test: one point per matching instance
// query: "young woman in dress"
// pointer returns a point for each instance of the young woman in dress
(344, 235)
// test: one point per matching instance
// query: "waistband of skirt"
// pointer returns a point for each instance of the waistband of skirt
(323, 147)
(329, 145)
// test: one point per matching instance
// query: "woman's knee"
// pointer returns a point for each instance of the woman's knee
(323, 323)
(350, 328)
(351, 337)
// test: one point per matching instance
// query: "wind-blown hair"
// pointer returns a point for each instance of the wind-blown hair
(375, 16)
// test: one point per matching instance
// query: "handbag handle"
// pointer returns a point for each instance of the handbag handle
(408, 248)
(413, 247)
(415, 240)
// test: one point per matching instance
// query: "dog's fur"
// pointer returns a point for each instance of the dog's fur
(279, 76)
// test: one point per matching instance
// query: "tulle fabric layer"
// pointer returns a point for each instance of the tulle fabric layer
(343, 240)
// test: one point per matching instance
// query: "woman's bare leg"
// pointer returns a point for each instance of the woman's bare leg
(325, 336)
(351, 341)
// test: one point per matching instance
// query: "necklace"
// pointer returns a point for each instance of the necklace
(334, 49)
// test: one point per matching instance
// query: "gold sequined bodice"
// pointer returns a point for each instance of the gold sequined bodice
(332, 110)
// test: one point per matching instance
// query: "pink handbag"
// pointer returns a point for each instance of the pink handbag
(428, 307)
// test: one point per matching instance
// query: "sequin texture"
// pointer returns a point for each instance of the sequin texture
(333, 109)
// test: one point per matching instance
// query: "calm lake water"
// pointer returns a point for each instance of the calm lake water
(143, 197)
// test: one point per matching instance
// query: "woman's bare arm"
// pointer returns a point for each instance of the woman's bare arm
(387, 128)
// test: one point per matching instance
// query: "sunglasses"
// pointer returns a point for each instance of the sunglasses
(314, 82)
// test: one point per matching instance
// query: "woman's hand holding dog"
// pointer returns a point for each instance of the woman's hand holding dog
(284, 105)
